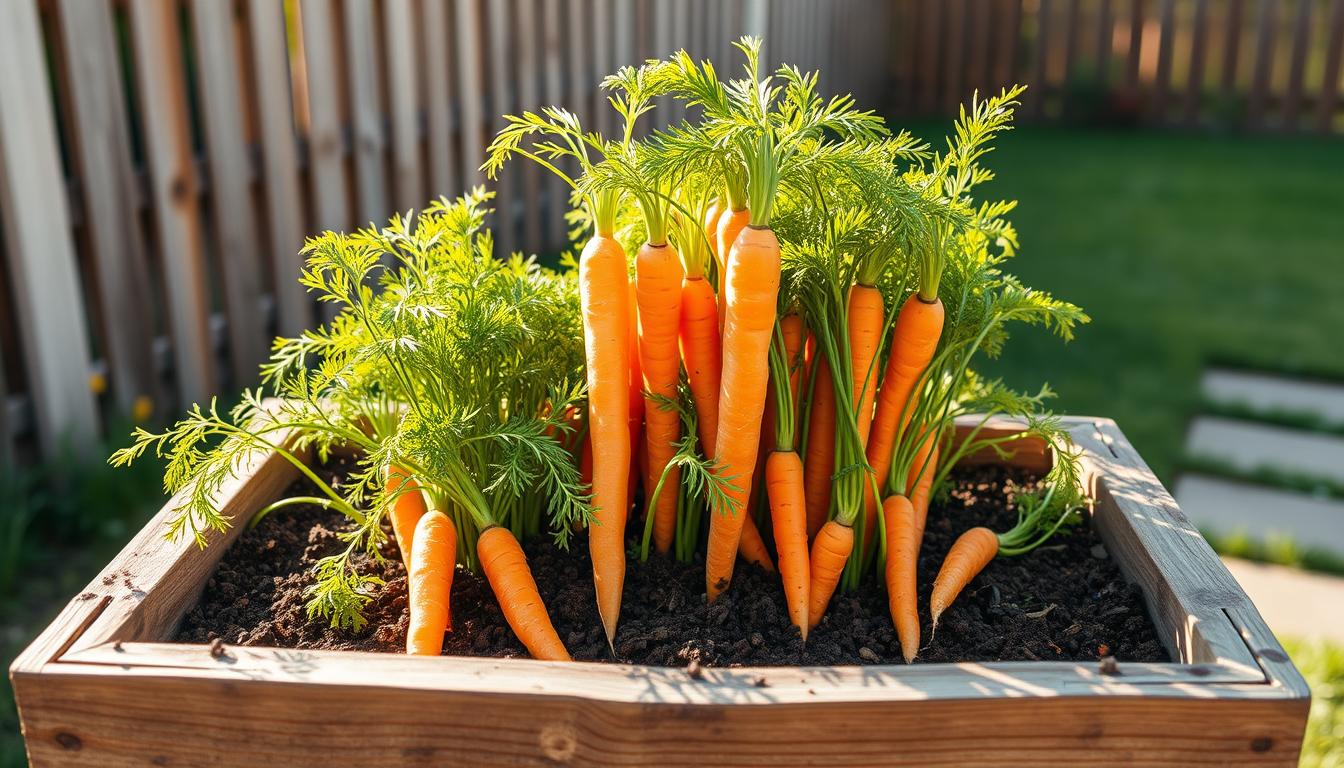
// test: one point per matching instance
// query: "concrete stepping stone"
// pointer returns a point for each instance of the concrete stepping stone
(1247, 446)
(1293, 603)
(1269, 393)
(1226, 507)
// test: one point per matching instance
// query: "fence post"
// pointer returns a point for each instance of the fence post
(101, 154)
(42, 252)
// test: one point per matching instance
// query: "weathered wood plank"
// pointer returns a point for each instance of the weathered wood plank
(1006, 41)
(162, 89)
(528, 88)
(1329, 96)
(404, 73)
(557, 192)
(99, 132)
(582, 715)
(1157, 547)
(1135, 44)
(435, 41)
(927, 81)
(1194, 85)
(279, 163)
(1040, 76)
(365, 73)
(326, 163)
(471, 87)
(1165, 45)
(954, 41)
(235, 222)
(501, 103)
(1292, 101)
(1266, 30)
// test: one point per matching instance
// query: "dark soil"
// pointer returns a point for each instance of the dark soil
(1064, 601)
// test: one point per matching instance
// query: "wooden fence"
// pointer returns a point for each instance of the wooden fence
(1257, 65)
(162, 160)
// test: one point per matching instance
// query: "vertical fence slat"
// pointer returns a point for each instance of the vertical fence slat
(1071, 23)
(471, 87)
(326, 165)
(1194, 87)
(1231, 45)
(1005, 47)
(1135, 43)
(1040, 86)
(529, 95)
(557, 191)
(280, 170)
(99, 131)
(1325, 104)
(37, 227)
(501, 102)
(235, 230)
(599, 29)
(1105, 35)
(173, 190)
(977, 68)
(366, 111)
(1165, 43)
(434, 41)
(404, 103)
(1266, 23)
(954, 37)
(1292, 102)
(930, 15)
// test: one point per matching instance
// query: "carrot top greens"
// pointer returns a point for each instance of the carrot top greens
(465, 370)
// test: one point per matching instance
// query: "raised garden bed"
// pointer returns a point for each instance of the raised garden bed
(104, 684)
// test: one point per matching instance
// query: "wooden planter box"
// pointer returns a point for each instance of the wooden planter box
(100, 687)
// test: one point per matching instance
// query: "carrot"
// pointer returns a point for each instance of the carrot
(658, 282)
(925, 467)
(605, 296)
(510, 578)
(969, 555)
(429, 582)
(902, 558)
(753, 287)
(865, 319)
(701, 352)
(406, 509)
(788, 513)
(830, 551)
(711, 228)
(819, 463)
(752, 547)
(731, 223)
(913, 342)
(792, 329)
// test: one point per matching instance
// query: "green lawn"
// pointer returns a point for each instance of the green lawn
(1184, 249)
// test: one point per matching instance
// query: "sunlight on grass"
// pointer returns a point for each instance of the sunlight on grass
(1322, 664)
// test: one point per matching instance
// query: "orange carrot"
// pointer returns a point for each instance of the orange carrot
(969, 555)
(753, 288)
(922, 471)
(752, 547)
(865, 339)
(406, 509)
(731, 223)
(791, 328)
(788, 513)
(506, 569)
(902, 560)
(711, 229)
(605, 296)
(429, 583)
(830, 550)
(658, 282)
(701, 352)
(913, 342)
(819, 463)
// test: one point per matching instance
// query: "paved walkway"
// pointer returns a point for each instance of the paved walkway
(1294, 603)
(1249, 445)
(1226, 506)
(1269, 393)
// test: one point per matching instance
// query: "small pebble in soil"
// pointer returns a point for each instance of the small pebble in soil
(1060, 602)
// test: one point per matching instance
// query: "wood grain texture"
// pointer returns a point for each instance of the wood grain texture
(36, 218)
(326, 162)
(364, 73)
(174, 190)
(436, 41)
(285, 222)
(102, 151)
(98, 689)
(404, 71)
(235, 227)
